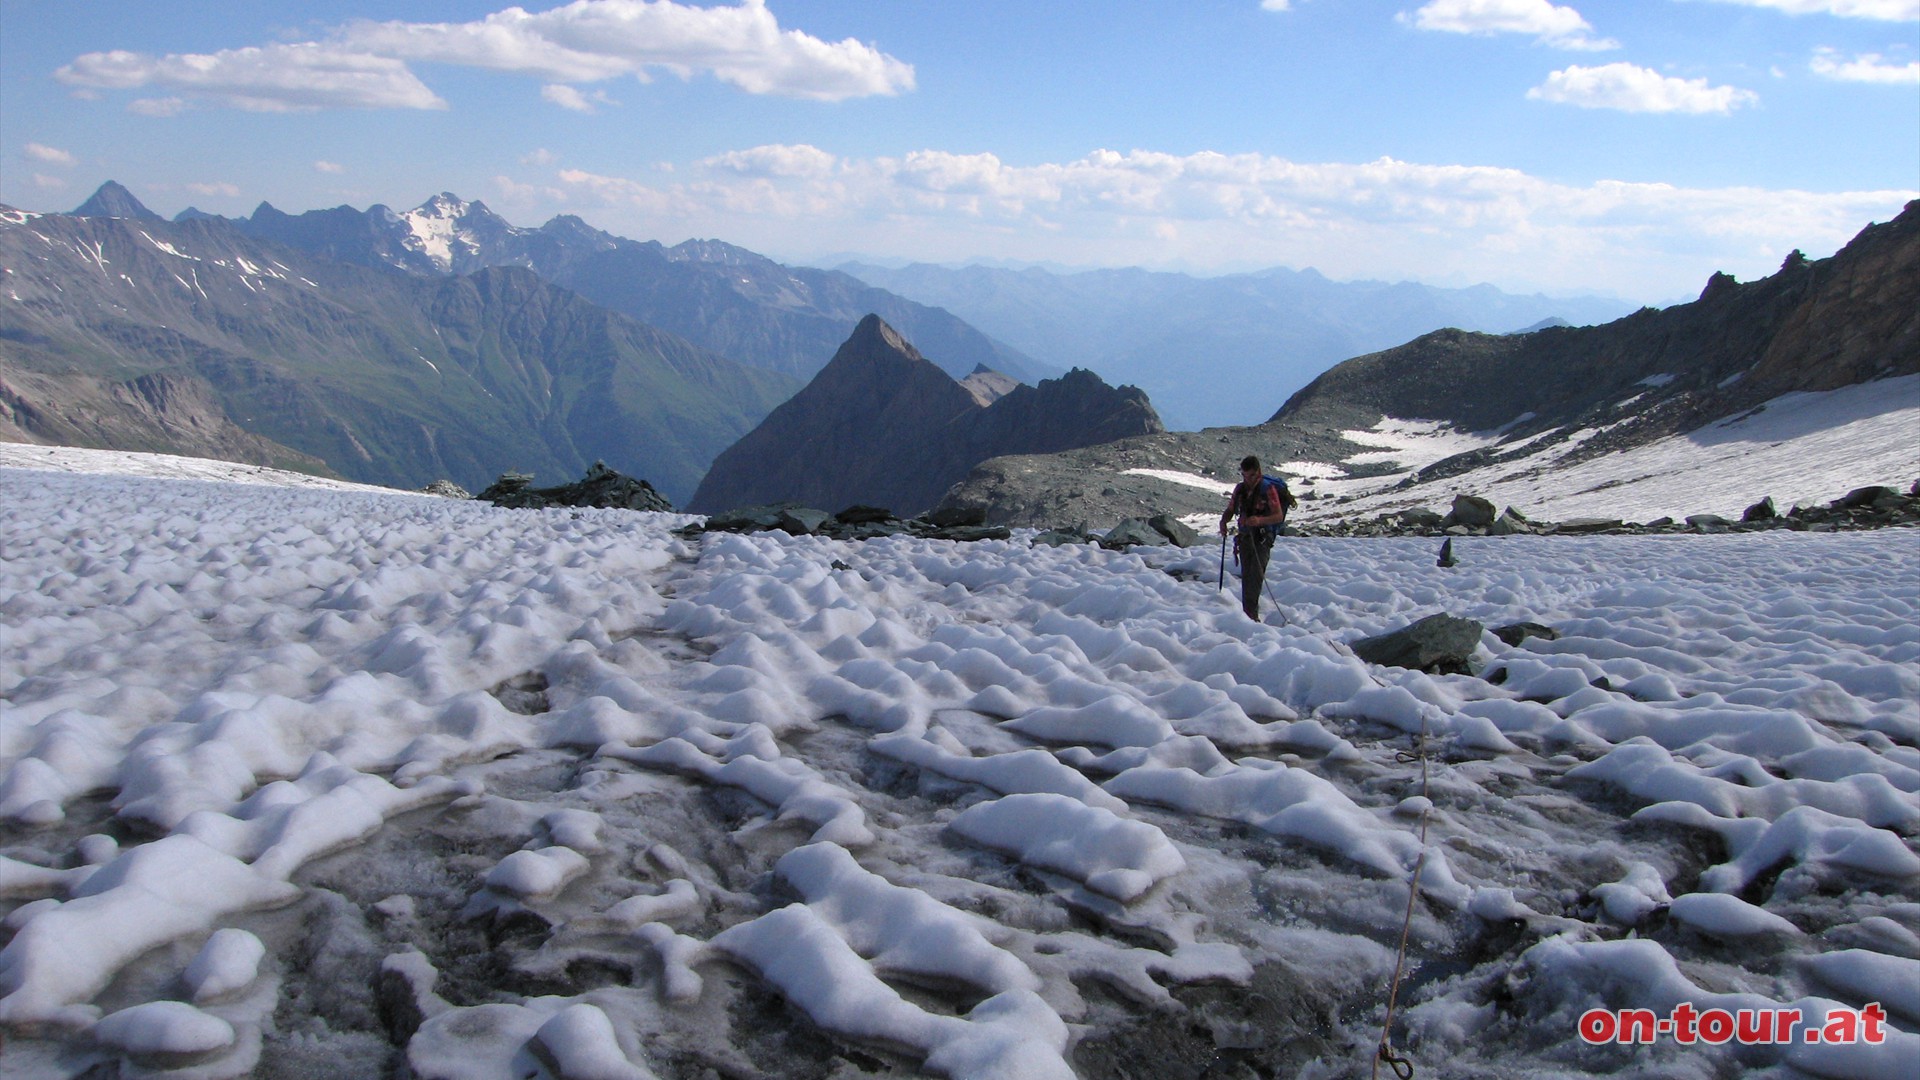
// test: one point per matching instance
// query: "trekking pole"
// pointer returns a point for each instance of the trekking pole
(1222, 586)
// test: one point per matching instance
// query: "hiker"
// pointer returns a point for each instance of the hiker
(1260, 503)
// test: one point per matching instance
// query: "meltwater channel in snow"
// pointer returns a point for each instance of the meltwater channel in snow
(303, 782)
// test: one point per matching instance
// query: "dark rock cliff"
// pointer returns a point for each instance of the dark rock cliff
(884, 426)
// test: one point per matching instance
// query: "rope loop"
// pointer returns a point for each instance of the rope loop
(1402, 1066)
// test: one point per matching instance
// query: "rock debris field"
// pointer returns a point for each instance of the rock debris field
(327, 783)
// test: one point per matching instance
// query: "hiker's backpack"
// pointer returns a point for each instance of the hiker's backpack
(1287, 501)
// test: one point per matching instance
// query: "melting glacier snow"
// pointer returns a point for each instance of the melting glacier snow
(312, 781)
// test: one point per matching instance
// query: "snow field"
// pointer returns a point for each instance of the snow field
(613, 803)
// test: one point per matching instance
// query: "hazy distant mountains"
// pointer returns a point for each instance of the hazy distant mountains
(882, 426)
(194, 337)
(1213, 351)
(1546, 400)
(722, 298)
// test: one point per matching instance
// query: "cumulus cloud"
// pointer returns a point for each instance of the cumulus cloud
(222, 188)
(1449, 222)
(267, 78)
(363, 64)
(1550, 24)
(48, 183)
(1276, 5)
(590, 40)
(1631, 88)
(329, 167)
(1887, 10)
(1867, 68)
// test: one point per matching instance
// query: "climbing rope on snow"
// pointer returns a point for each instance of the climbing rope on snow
(1402, 1065)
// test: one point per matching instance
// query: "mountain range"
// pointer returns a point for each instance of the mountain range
(1219, 350)
(1453, 410)
(194, 337)
(319, 341)
(882, 426)
(723, 298)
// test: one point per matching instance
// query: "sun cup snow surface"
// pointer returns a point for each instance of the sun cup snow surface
(595, 800)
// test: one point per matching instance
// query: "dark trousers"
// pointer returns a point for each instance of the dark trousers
(1254, 547)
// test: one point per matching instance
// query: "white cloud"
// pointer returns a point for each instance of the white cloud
(1276, 5)
(364, 64)
(50, 155)
(1217, 211)
(1867, 68)
(329, 167)
(1560, 27)
(542, 156)
(799, 160)
(1887, 10)
(591, 40)
(223, 189)
(268, 78)
(568, 97)
(49, 183)
(1631, 88)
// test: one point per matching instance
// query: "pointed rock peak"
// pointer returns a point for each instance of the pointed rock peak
(114, 201)
(1720, 282)
(874, 337)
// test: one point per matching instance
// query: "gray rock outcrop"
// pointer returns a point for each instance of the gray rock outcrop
(1439, 644)
(600, 487)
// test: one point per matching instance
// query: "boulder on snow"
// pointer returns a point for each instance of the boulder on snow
(1471, 511)
(1129, 532)
(1862, 498)
(1173, 529)
(1510, 523)
(1764, 510)
(1515, 633)
(1438, 645)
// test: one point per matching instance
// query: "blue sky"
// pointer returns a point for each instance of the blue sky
(1631, 148)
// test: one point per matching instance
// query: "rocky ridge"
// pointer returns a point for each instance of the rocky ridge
(723, 298)
(1566, 393)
